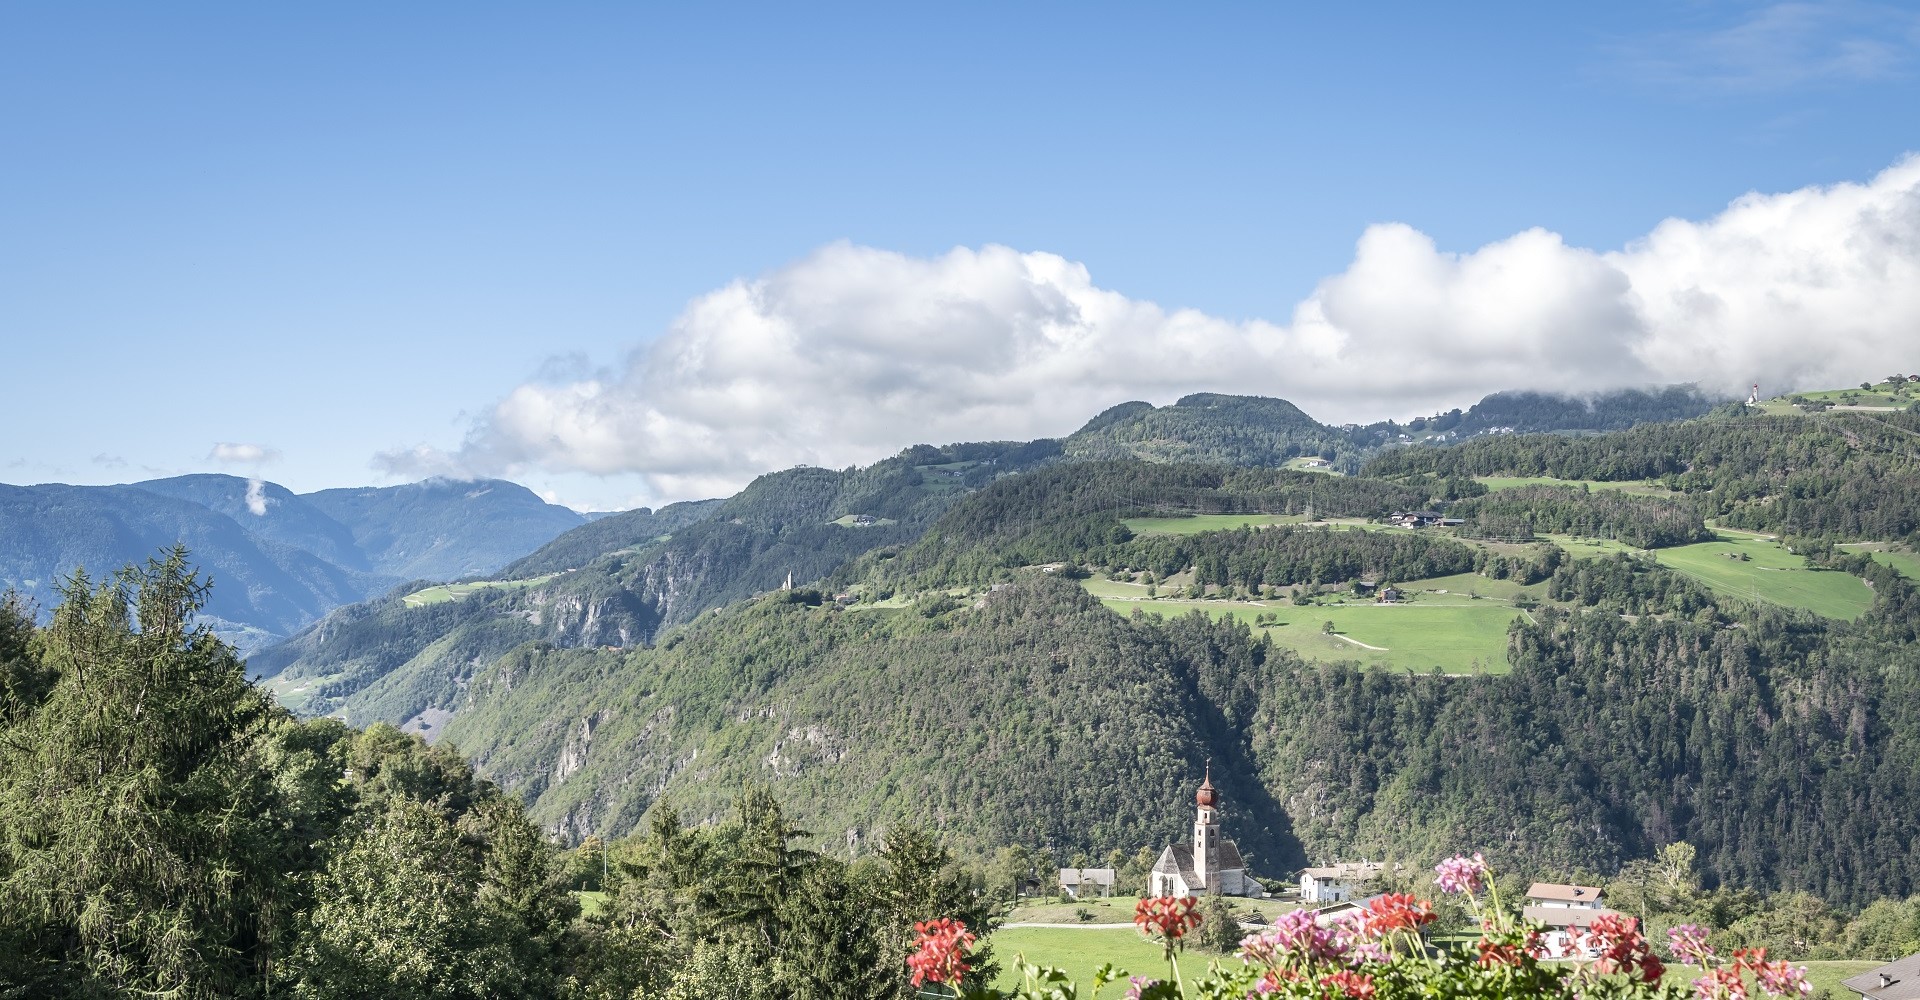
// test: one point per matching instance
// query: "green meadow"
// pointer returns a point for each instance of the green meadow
(1768, 572)
(1453, 631)
(1900, 560)
(1880, 397)
(1303, 465)
(1200, 523)
(441, 593)
(1080, 950)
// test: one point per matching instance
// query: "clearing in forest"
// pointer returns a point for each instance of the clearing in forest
(1451, 631)
(1749, 566)
(440, 593)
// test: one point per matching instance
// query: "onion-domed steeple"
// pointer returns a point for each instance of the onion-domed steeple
(1206, 796)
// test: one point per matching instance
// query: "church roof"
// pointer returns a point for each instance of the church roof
(1177, 859)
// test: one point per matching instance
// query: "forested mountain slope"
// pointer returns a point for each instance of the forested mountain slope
(1838, 474)
(628, 529)
(1036, 716)
(1210, 428)
(1540, 412)
(390, 660)
(1068, 511)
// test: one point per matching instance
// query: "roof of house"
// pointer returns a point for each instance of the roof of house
(1902, 980)
(1563, 893)
(1086, 876)
(1563, 917)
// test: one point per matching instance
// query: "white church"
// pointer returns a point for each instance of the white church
(1210, 864)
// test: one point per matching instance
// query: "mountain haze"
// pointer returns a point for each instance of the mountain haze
(279, 560)
(445, 529)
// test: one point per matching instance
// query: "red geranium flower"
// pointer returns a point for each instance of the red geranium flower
(1169, 917)
(1395, 911)
(1622, 949)
(1512, 949)
(941, 952)
(1350, 984)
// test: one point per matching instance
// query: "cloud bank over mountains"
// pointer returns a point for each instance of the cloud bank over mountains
(852, 352)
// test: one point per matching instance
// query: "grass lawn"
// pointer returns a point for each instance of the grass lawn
(1103, 587)
(591, 902)
(1119, 910)
(1079, 951)
(1456, 634)
(444, 592)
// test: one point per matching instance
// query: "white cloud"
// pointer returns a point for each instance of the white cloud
(851, 353)
(251, 456)
(257, 497)
(235, 453)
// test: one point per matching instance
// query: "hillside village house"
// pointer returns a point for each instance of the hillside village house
(1086, 883)
(1209, 864)
(1339, 883)
(1567, 910)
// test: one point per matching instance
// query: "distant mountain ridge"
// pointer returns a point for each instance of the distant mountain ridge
(1214, 429)
(279, 560)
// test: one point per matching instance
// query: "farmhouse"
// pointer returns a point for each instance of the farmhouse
(1338, 883)
(1421, 519)
(1567, 910)
(1893, 981)
(1085, 883)
(1209, 864)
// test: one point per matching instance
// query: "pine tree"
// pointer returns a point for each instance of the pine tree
(134, 844)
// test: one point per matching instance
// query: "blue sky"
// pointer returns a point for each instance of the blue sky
(343, 231)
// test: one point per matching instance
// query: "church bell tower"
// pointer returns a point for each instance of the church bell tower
(1206, 830)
